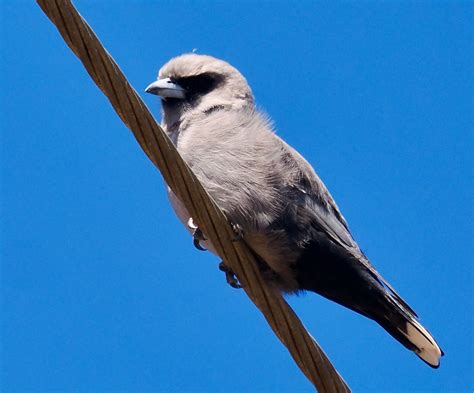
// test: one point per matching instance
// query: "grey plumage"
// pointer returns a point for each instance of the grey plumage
(287, 215)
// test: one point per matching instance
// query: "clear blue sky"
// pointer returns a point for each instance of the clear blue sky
(102, 290)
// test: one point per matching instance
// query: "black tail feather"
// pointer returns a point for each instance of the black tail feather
(335, 273)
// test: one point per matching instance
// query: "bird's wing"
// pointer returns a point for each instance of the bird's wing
(308, 190)
(314, 199)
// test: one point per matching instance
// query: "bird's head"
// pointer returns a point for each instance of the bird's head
(193, 84)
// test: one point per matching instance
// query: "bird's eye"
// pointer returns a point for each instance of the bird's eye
(199, 84)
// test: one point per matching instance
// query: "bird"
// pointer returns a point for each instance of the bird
(273, 197)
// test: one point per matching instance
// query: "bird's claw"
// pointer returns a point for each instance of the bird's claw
(230, 276)
(198, 236)
(238, 230)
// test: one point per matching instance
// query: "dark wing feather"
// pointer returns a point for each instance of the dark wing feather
(314, 200)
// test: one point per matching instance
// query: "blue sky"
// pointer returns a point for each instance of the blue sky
(102, 290)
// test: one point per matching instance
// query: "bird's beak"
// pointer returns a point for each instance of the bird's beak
(166, 88)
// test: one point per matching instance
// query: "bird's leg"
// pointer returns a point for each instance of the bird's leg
(230, 276)
(198, 236)
(238, 230)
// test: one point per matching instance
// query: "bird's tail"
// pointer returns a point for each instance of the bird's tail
(351, 281)
(409, 332)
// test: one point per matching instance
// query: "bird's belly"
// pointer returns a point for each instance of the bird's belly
(278, 256)
(272, 251)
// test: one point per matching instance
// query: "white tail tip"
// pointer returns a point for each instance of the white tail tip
(428, 349)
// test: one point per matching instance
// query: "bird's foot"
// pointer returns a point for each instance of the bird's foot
(230, 276)
(238, 230)
(198, 236)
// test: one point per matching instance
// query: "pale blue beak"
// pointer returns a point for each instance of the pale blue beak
(166, 88)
